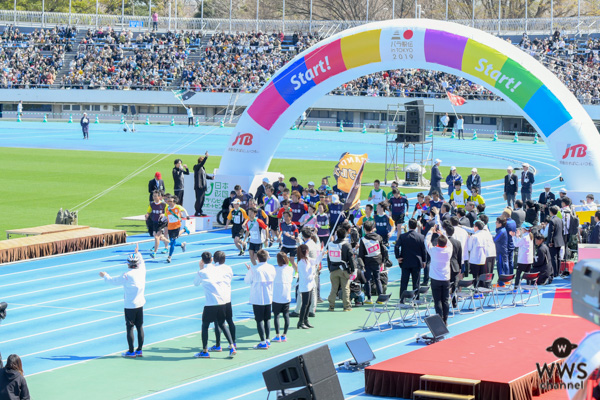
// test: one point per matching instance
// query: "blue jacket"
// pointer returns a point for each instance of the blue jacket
(511, 226)
(450, 182)
(501, 240)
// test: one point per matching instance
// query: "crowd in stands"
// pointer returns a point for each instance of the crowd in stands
(107, 58)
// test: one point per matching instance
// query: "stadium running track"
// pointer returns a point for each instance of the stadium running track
(67, 324)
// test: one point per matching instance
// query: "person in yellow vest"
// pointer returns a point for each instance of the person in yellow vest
(175, 213)
(476, 197)
(459, 197)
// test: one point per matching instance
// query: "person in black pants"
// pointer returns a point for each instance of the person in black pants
(456, 260)
(411, 254)
(441, 255)
(219, 259)
(555, 240)
(373, 255)
(85, 126)
(261, 278)
(178, 172)
(200, 184)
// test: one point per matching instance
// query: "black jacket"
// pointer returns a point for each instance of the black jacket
(259, 195)
(472, 216)
(348, 264)
(511, 188)
(526, 187)
(465, 221)
(457, 253)
(594, 236)
(474, 182)
(178, 177)
(13, 385)
(531, 216)
(376, 261)
(555, 232)
(152, 186)
(410, 246)
(518, 216)
(542, 263)
(200, 176)
(546, 200)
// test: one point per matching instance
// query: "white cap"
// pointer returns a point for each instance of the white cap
(474, 170)
(281, 176)
(335, 199)
(525, 164)
(266, 180)
(236, 201)
(563, 190)
(452, 168)
(311, 183)
(438, 161)
(510, 167)
(547, 185)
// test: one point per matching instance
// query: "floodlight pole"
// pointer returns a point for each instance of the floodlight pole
(367, 11)
(393, 9)
(310, 17)
(257, 16)
(230, 8)
(69, 12)
(473, 13)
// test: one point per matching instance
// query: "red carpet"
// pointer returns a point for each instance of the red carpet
(503, 355)
(562, 305)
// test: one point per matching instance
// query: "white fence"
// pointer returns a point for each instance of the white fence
(568, 25)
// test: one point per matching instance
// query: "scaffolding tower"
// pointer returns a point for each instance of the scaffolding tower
(405, 146)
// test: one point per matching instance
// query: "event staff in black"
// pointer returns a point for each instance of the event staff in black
(541, 260)
(527, 181)
(555, 239)
(260, 192)
(426, 228)
(411, 253)
(546, 199)
(200, 184)
(156, 184)
(178, 180)
(511, 187)
(85, 126)
(594, 236)
(457, 256)
(440, 253)
(436, 179)
(372, 253)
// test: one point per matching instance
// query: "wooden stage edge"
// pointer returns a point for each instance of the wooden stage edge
(43, 245)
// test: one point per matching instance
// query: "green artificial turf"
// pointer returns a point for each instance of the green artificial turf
(39, 182)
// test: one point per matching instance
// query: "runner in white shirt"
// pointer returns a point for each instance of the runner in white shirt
(216, 282)
(282, 296)
(260, 278)
(377, 195)
(134, 285)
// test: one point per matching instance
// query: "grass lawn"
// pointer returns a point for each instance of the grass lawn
(39, 182)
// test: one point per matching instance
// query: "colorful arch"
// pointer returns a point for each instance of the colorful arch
(480, 57)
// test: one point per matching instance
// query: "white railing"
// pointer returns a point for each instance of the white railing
(569, 25)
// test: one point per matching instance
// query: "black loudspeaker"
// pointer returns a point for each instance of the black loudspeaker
(288, 375)
(415, 115)
(124, 110)
(133, 110)
(314, 370)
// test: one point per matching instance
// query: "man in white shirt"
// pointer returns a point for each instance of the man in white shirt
(477, 250)
(439, 272)
(134, 285)
(445, 120)
(462, 236)
(216, 282)
(260, 278)
(589, 204)
(190, 115)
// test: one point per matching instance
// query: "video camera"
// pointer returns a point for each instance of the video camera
(585, 285)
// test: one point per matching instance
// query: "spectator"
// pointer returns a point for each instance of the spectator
(440, 254)
(13, 385)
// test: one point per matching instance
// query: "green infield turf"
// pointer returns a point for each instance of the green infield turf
(39, 182)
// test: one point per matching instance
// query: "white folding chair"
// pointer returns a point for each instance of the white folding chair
(379, 309)
(404, 306)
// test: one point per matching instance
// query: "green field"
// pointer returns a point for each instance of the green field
(40, 182)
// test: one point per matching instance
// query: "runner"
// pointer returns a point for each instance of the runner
(298, 209)
(261, 215)
(216, 282)
(243, 197)
(254, 228)
(459, 197)
(175, 213)
(271, 207)
(134, 285)
(157, 222)
(289, 235)
(399, 205)
(377, 195)
(323, 228)
(336, 212)
(367, 217)
(310, 220)
(393, 185)
(418, 206)
(237, 216)
(384, 225)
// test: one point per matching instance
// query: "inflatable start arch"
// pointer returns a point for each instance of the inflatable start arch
(473, 54)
